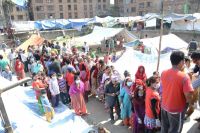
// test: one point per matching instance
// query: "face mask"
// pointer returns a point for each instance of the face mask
(54, 77)
(129, 84)
(77, 81)
(140, 87)
(140, 94)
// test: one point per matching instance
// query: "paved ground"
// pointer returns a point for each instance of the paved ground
(99, 117)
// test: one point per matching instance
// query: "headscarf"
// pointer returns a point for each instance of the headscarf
(142, 76)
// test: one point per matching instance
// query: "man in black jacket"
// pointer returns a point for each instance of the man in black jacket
(112, 91)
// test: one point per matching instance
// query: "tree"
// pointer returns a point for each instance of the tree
(7, 6)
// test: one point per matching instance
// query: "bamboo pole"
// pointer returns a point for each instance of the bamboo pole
(161, 33)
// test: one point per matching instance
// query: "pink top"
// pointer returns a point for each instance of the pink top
(74, 90)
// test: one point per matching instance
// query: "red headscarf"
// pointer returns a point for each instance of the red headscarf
(18, 67)
(142, 76)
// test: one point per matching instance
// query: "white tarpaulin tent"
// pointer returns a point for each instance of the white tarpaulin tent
(100, 33)
(191, 22)
(169, 41)
(131, 59)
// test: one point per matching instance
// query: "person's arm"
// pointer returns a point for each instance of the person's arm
(153, 107)
(196, 83)
(188, 90)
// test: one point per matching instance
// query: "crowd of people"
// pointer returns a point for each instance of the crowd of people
(145, 104)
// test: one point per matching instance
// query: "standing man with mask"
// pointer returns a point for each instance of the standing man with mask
(177, 91)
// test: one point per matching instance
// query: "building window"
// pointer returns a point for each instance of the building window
(50, 7)
(49, 1)
(84, 1)
(18, 9)
(99, 7)
(133, 9)
(85, 14)
(20, 17)
(60, 1)
(75, 1)
(39, 8)
(91, 8)
(127, 10)
(51, 15)
(76, 15)
(141, 13)
(40, 16)
(104, 1)
(75, 7)
(12, 17)
(85, 7)
(132, 1)
(91, 14)
(68, 1)
(104, 7)
(61, 7)
(99, 0)
(38, 1)
(90, 1)
(69, 15)
(148, 4)
(69, 7)
(141, 5)
(61, 15)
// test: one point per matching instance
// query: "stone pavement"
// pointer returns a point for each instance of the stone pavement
(99, 117)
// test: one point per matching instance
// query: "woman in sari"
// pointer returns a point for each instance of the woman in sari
(19, 69)
(125, 101)
(139, 105)
(76, 92)
(85, 78)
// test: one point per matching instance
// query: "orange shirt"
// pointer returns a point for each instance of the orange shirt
(174, 84)
(69, 78)
(37, 84)
(151, 94)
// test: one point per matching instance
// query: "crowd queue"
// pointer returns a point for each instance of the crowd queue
(145, 104)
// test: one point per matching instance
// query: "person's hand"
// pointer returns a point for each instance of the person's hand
(139, 121)
(113, 94)
(158, 123)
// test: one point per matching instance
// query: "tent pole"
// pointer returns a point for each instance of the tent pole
(161, 33)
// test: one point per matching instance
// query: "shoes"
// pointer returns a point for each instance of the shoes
(112, 121)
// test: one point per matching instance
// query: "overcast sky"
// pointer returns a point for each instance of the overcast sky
(111, 1)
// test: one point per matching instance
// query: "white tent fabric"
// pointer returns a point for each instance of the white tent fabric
(168, 41)
(185, 24)
(132, 59)
(100, 33)
(23, 25)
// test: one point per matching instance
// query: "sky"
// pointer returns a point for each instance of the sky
(111, 1)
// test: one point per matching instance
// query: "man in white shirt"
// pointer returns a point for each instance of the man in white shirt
(11, 57)
(24, 60)
(86, 47)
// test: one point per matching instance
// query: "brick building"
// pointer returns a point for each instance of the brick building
(58, 9)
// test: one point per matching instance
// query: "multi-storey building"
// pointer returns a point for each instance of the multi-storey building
(137, 7)
(58, 9)
(18, 14)
(174, 6)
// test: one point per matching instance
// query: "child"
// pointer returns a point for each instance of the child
(54, 89)
(63, 89)
(48, 110)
